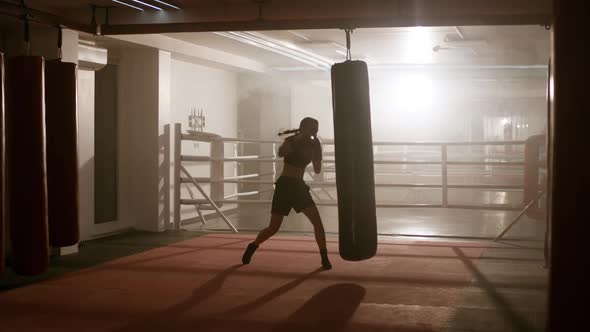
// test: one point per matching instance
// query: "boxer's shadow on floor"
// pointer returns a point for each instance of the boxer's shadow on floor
(162, 319)
(329, 310)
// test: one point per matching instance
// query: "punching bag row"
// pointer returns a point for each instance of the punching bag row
(62, 152)
(353, 144)
(2, 236)
(25, 163)
(41, 159)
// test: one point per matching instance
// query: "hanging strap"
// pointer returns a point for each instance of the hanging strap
(59, 42)
(260, 3)
(348, 53)
(27, 35)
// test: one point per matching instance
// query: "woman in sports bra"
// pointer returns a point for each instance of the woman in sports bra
(291, 192)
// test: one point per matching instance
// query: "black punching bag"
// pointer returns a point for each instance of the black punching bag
(62, 152)
(353, 144)
(2, 243)
(25, 164)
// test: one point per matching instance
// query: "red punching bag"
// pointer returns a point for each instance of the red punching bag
(2, 244)
(62, 152)
(532, 186)
(25, 164)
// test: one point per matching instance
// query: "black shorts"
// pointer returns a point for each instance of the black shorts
(290, 193)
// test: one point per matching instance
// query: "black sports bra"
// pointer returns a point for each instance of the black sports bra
(303, 152)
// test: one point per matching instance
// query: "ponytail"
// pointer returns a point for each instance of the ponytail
(304, 123)
(291, 131)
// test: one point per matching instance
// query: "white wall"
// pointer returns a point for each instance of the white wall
(143, 110)
(215, 91)
(86, 152)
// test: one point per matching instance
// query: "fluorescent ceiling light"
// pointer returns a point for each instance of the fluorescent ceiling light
(276, 46)
(298, 34)
(295, 69)
(167, 4)
(321, 45)
(299, 51)
(128, 5)
(147, 4)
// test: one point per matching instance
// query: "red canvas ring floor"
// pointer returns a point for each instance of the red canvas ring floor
(201, 285)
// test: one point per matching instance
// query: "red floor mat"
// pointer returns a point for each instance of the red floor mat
(200, 285)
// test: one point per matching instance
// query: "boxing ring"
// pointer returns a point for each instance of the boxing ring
(436, 162)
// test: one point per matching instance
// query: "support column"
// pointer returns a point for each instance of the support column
(570, 167)
(144, 110)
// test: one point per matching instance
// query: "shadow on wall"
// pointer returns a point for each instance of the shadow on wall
(86, 198)
(164, 178)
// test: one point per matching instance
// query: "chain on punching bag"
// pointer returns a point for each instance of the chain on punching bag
(353, 144)
(62, 151)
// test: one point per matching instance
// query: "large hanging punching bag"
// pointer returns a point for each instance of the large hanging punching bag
(353, 144)
(25, 162)
(2, 236)
(62, 152)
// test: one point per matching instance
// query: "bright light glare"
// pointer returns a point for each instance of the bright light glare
(418, 47)
(290, 45)
(414, 92)
(505, 121)
(408, 105)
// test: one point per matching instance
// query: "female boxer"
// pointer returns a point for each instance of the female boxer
(291, 191)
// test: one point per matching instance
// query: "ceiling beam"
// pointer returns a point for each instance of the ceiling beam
(309, 14)
(334, 14)
(264, 25)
